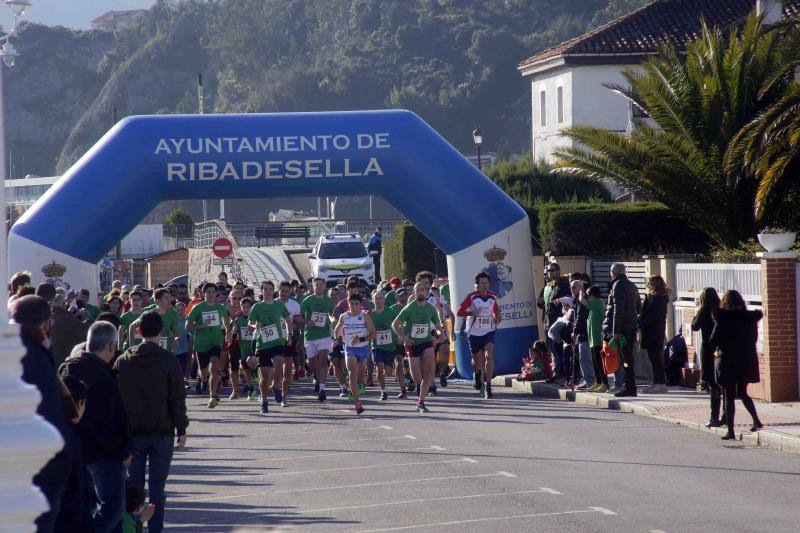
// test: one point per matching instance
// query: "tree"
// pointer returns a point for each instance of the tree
(699, 102)
(181, 220)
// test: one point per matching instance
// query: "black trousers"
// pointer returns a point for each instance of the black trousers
(376, 260)
(730, 392)
(657, 361)
(628, 359)
(597, 361)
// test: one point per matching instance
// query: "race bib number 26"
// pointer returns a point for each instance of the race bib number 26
(419, 331)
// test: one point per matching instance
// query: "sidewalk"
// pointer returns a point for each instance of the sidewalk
(683, 407)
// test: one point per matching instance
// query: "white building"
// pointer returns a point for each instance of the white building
(116, 20)
(568, 81)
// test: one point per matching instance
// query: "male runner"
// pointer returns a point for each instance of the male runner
(284, 291)
(316, 309)
(266, 317)
(169, 318)
(442, 348)
(130, 336)
(244, 335)
(385, 344)
(206, 320)
(356, 328)
(413, 324)
(483, 316)
(426, 277)
(401, 364)
(232, 348)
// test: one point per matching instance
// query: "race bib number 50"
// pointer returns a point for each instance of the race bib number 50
(269, 333)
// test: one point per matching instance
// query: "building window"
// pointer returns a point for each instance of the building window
(560, 96)
(543, 108)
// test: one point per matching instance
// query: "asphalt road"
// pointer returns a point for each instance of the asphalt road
(513, 463)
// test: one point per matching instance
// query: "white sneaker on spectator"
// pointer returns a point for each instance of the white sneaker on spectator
(582, 386)
(614, 390)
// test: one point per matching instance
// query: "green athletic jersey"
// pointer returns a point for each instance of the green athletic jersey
(209, 337)
(125, 322)
(444, 290)
(383, 324)
(169, 328)
(391, 298)
(270, 332)
(316, 313)
(417, 320)
(245, 336)
(93, 310)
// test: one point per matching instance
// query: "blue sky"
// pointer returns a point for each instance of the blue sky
(73, 13)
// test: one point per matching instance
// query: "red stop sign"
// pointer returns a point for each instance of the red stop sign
(222, 247)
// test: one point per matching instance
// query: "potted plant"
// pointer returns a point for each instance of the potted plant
(776, 239)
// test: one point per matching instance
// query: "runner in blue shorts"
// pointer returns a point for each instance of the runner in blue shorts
(356, 327)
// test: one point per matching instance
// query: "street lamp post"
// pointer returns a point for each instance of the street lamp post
(477, 138)
(26, 439)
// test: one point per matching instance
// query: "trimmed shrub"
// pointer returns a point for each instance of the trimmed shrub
(407, 253)
(605, 229)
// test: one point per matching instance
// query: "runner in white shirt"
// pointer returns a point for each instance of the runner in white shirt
(357, 330)
(290, 352)
(483, 316)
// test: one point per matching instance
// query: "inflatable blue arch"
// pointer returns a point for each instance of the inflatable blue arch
(145, 160)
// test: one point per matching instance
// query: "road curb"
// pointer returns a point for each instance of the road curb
(539, 389)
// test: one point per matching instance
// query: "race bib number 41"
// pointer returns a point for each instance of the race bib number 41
(419, 331)
(383, 338)
(318, 319)
(269, 333)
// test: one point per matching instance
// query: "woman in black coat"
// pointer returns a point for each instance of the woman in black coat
(653, 326)
(734, 336)
(703, 321)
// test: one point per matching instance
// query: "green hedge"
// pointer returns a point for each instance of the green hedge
(409, 252)
(601, 229)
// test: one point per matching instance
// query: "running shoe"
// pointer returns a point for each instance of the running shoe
(421, 408)
(403, 395)
(213, 402)
(478, 384)
(432, 391)
(443, 380)
(343, 393)
(198, 387)
(284, 403)
(488, 395)
(234, 395)
(253, 394)
(359, 408)
(264, 407)
(362, 388)
(186, 385)
(278, 395)
(384, 396)
(322, 397)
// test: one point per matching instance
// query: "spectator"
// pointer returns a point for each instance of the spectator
(18, 281)
(46, 291)
(222, 279)
(66, 330)
(182, 293)
(77, 499)
(580, 334)
(375, 249)
(735, 335)
(33, 316)
(137, 512)
(116, 284)
(653, 326)
(596, 308)
(703, 321)
(621, 321)
(104, 427)
(82, 302)
(556, 288)
(152, 390)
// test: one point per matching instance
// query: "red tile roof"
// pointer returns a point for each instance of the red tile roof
(641, 31)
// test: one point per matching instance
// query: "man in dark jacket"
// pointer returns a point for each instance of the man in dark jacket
(375, 249)
(104, 428)
(66, 330)
(151, 384)
(556, 287)
(622, 321)
(32, 313)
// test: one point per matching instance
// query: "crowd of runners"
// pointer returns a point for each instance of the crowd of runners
(260, 340)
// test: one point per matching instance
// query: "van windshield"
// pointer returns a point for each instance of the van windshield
(342, 250)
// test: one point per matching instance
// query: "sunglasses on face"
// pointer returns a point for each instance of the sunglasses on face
(552, 270)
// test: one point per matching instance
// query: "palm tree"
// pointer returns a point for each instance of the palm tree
(697, 101)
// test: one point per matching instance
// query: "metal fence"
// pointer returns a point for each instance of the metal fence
(205, 233)
(600, 272)
(245, 233)
(691, 278)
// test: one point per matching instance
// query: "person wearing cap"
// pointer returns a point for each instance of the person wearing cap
(32, 313)
(375, 249)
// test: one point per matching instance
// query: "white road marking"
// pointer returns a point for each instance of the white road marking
(470, 460)
(387, 427)
(339, 487)
(423, 500)
(325, 431)
(506, 474)
(476, 520)
(603, 510)
(439, 448)
(286, 444)
(412, 437)
(554, 491)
